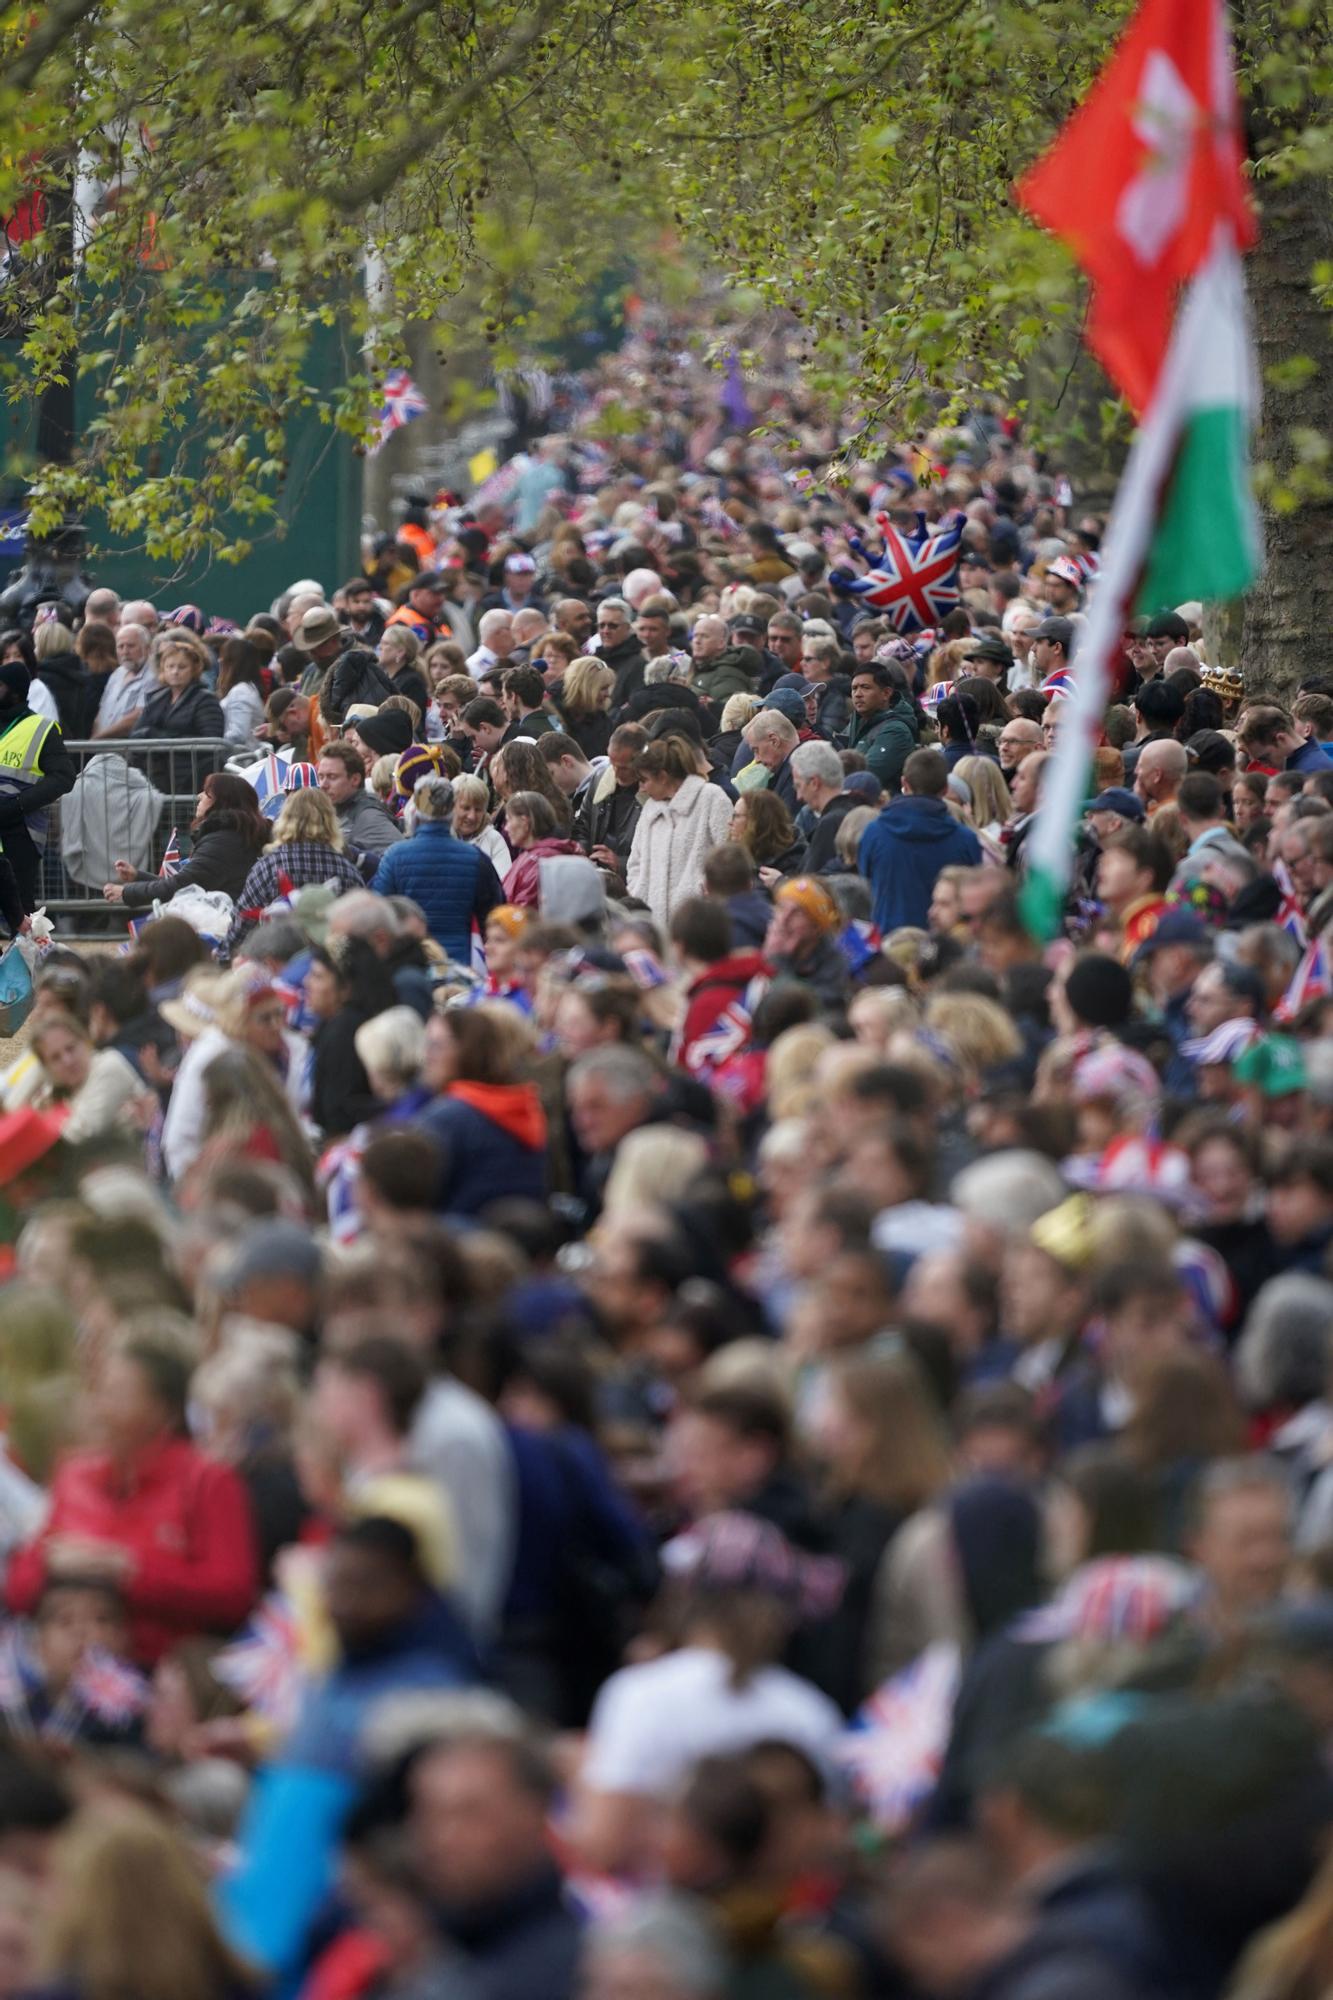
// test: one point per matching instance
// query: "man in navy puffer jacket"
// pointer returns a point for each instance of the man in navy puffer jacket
(912, 840)
(453, 881)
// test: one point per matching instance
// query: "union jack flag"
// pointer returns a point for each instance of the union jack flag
(110, 1689)
(402, 401)
(1290, 915)
(894, 1748)
(263, 1666)
(1310, 981)
(171, 855)
(914, 583)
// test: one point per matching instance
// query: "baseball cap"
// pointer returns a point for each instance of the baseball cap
(786, 701)
(1178, 926)
(1060, 631)
(520, 565)
(1118, 799)
(797, 683)
(427, 579)
(1167, 625)
(746, 621)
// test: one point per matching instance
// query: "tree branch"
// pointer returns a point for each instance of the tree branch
(373, 186)
(833, 98)
(60, 17)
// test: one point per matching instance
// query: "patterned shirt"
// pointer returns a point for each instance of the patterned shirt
(296, 865)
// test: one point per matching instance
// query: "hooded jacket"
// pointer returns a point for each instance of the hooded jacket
(734, 671)
(355, 676)
(903, 851)
(73, 690)
(673, 837)
(886, 740)
(492, 1141)
(522, 885)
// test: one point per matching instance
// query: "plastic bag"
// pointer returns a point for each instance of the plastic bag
(15, 990)
(207, 911)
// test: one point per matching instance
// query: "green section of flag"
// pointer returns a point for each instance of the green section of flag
(1041, 902)
(1206, 542)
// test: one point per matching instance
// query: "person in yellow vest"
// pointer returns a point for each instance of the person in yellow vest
(35, 770)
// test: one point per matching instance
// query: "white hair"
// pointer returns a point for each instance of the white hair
(641, 584)
(769, 723)
(819, 761)
(492, 621)
(361, 913)
(392, 1044)
(1010, 1189)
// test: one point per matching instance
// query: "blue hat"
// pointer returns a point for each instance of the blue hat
(787, 702)
(1118, 799)
(1178, 926)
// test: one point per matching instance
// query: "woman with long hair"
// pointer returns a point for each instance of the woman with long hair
(886, 1455)
(530, 828)
(181, 706)
(584, 704)
(400, 658)
(684, 819)
(228, 834)
(990, 803)
(247, 1116)
(763, 826)
(520, 767)
(486, 1119)
(127, 1917)
(346, 986)
(307, 847)
(242, 691)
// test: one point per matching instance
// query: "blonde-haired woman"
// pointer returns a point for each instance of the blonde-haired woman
(126, 1913)
(684, 818)
(975, 1030)
(472, 823)
(991, 805)
(307, 847)
(584, 704)
(181, 706)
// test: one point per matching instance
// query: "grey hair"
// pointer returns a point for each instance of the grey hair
(819, 761)
(392, 1044)
(657, 670)
(361, 913)
(1010, 1189)
(768, 722)
(1222, 1477)
(469, 790)
(1283, 1354)
(676, 1934)
(433, 798)
(625, 1072)
(620, 604)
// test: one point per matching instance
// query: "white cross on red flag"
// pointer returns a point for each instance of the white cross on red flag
(1141, 175)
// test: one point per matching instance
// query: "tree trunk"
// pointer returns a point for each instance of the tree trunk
(1287, 635)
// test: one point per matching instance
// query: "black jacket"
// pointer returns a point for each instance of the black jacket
(221, 858)
(823, 847)
(411, 683)
(196, 713)
(628, 661)
(73, 691)
(355, 676)
(611, 822)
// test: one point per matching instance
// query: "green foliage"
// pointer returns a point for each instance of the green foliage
(850, 160)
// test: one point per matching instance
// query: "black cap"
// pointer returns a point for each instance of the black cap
(1060, 631)
(1168, 625)
(427, 579)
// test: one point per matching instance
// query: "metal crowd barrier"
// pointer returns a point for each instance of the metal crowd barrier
(127, 810)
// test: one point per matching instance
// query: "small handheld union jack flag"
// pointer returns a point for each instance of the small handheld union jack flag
(402, 401)
(914, 583)
(171, 855)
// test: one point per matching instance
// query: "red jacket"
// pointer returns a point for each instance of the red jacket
(186, 1522)
(522, 885)
(717, 1012)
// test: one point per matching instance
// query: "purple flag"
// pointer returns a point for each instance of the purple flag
(735, 405)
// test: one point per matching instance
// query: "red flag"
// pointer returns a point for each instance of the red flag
(1141, 175)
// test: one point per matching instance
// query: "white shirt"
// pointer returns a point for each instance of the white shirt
(652, 1723)
(481, 662)
(42, 702)
(124, 694)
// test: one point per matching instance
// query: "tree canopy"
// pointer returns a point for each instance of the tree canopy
(223, 169)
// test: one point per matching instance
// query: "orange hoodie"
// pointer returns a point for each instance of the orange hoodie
(514, 1107)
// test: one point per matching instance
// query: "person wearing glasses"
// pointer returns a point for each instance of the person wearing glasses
(617, 647)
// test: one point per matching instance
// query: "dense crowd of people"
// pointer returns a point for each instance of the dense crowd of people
(615, 1383)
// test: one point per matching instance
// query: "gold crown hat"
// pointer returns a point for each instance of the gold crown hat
(1065, 1232)
(1225, 683)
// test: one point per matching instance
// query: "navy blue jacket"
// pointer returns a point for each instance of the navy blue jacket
(452, 881)
(481, 1161)
(904, 850)
(524, 1945)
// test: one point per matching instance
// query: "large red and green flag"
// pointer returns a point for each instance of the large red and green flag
(1146, 185)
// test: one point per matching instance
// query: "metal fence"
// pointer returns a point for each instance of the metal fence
(128, 799)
